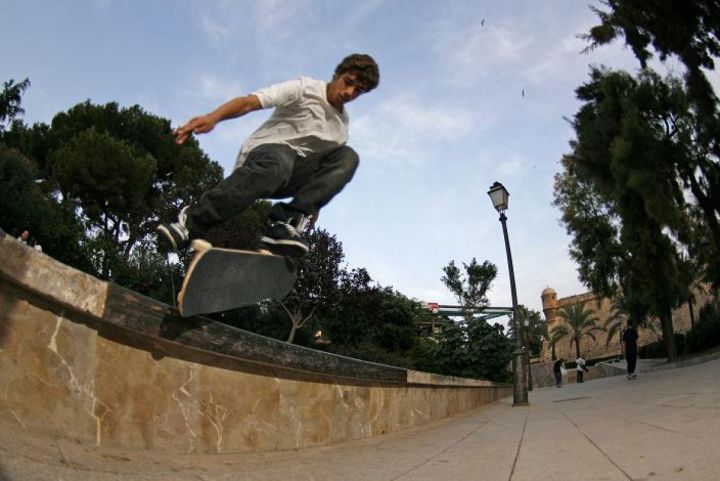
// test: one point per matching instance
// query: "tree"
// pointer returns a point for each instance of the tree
(472, 348)
(624, 309)
(10, 100)
(112, 184)
(118, 171)
(555, 336)
(471, 288)
(318, 277)
(622, 194)
(693, 275)
(24, 205)
(578, 323)
(535, 329)
(690, 31)
(369, 321)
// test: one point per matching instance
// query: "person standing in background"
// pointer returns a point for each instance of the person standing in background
(580, 368)
(630, 337)
(557, 370)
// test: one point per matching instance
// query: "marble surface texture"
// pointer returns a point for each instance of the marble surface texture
(74, 368)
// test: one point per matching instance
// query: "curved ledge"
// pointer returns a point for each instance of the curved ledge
(93, 361)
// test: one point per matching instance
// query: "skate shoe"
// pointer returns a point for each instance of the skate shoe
(175, 235)
(283, 239)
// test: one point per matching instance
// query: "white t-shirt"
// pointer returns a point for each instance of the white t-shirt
(580, 364)
(303, 119)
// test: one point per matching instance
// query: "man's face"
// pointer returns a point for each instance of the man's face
(344, 89)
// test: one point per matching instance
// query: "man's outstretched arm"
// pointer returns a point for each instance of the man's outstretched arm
(236, 107)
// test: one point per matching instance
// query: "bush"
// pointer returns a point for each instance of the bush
(706, 333)
(369, 351)
(658, 350)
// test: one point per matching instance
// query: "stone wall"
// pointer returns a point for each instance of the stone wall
(602, 308)
(89, 361)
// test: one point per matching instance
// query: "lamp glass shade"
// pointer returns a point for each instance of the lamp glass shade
(499, 196)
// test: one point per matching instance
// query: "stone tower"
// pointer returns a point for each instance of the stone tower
(549, 303)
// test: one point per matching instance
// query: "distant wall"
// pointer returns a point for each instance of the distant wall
(602, 307)
(86, 360)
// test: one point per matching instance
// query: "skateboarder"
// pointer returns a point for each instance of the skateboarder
(299, 152)
(630, 337)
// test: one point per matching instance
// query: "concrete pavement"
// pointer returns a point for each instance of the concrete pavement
(664, 426)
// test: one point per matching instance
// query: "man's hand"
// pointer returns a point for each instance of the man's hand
(196, 125)
(205, 123)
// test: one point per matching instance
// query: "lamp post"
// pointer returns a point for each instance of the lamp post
(499, 196)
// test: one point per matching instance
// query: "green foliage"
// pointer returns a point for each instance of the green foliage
(470, 288)
(110, 181)
(534, 327)
(20, 197)
(10, 101)
(474, 349)
(319, 272)
(244, 230)
(624, 191)
(148, 272)
(578, 323)
(107, 176)
(24, 205)
(688, 30)
(267, 319)
(369, 351)
(706, 333)
(365, 311)
(120, 138)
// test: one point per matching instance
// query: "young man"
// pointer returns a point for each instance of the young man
(630, 337)
(580, 368)
(299, 152)
(557, 370)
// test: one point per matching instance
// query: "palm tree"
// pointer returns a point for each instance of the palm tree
(554, 336)
(578, 323)
(623, 309)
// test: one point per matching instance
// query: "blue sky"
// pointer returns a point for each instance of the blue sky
(448, 119)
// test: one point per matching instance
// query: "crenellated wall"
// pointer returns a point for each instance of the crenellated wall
(85, 360)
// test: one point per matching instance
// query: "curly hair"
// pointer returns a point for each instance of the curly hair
(364, 66)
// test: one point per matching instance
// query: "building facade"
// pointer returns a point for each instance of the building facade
(602, 308)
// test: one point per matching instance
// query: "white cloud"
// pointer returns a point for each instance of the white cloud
(475, 52)
(405, 129)
(413, 115)
(217, 89)
(273, 14)
(224, 22)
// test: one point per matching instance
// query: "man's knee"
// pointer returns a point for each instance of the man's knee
(346, 159)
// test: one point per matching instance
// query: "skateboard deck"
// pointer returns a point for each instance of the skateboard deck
(223, 279)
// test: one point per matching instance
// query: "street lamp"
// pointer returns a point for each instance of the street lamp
(499, 196)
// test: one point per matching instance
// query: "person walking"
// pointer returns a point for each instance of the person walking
(301, 152)
(630, 337)
(558, 366)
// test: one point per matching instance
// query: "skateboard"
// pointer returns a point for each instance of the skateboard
(221, 279)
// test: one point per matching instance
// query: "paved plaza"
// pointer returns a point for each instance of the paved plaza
(664, 426)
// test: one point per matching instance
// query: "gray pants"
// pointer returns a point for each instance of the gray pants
(275, 171)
